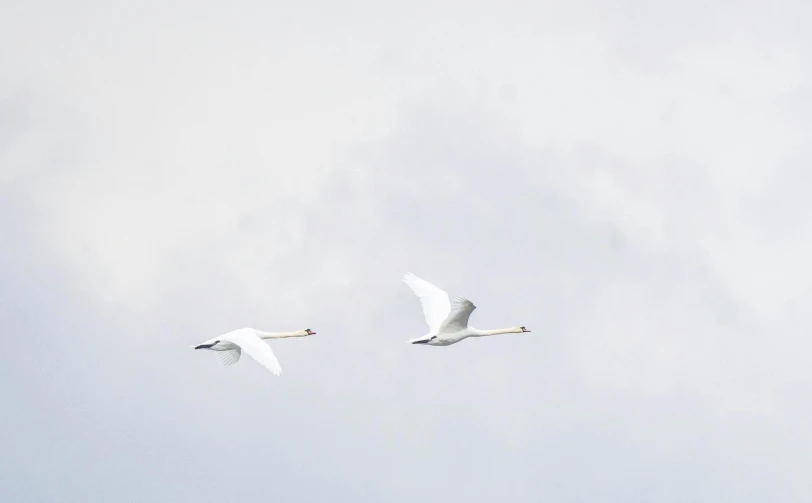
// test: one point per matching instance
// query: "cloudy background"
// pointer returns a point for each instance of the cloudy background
(629, 180)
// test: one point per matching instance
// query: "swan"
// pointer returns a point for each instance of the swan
(231, 345)
(448, 322)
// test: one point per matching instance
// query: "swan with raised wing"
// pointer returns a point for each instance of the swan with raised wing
(447, 321)
(230, 346)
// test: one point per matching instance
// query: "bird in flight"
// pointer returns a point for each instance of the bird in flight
(447, 321)
(230, 346)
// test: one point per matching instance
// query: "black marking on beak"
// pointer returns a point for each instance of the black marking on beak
(524, 329)
(310, 332)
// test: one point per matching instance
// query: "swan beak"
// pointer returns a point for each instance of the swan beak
(524, 329)
(310, 332)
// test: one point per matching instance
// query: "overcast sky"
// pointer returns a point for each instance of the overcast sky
(630, 180)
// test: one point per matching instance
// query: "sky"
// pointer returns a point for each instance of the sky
(626, 180)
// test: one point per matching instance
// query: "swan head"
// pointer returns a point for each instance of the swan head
(524, 329)
(208, 344)
(307, 331)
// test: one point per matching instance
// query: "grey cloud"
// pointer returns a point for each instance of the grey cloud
(647, 377)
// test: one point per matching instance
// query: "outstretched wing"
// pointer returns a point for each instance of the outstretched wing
(435, 301)
(457, 320)
(229, 357)
(254, 347)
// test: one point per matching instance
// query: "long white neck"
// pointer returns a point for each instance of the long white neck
(279, 335)
(475, 332)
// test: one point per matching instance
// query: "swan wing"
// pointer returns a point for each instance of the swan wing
(229, 357)
(254, 347)
(457, 319)
(435, 301)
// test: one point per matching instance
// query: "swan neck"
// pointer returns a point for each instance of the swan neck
(278, 335)
(498, 331)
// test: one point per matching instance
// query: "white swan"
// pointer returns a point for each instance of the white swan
(448, 322)
(231, 345)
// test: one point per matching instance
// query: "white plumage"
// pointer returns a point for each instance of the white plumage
(231, 345)
(448, 322)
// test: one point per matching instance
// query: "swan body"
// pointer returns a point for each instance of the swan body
(447, 321)
(231, 345)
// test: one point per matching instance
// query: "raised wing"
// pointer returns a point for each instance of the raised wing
(435, 301)
(229, 357)
(457, 320)
(254, 347)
